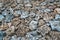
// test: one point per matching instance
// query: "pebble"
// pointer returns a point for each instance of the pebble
(43, 30)
(8, 18)
(1, 17)
(2, 35)
(34, 33)
(32, 14)
(14, 37)
(57, 10)
(18, 12)
(1, 4)
(24, 14)
(47, 10)
(33, 25)
(55, 25)
(43, 3)
(57, 16)
(28, 5)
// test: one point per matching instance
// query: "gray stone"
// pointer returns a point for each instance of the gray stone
(32, 14)
(55, 25)
(1, 4)
(24, 14)
(43, 3)
(33, 24)
(1, 17)
(47, 10)
(57, 16)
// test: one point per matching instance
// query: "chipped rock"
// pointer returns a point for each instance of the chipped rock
(1, 17)
(41, 22)
(55, 25)
(28, 5)
(1, 4)
(57, 10)
(43, 30)
(24, 14)
(47, 10)
(33, 25)
(43, 3)
(32, 14)
(57, 16)
(10, 30)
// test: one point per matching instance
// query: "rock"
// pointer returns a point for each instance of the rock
(55, 25)
(57, 10)
(1, 17)
(32, 14)
(14, 37)
(24, 14)
(4, 26)
(9, 18)
(22, 30)
(47, 10)
(43, 30)
(41, 22)
(2, 35)
(28, 5)
(1, 4)
(10, 30)
(43, 3)
(33, 33)
(57, 16)
(33, 25)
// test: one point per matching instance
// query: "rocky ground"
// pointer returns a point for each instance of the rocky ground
(29, 19)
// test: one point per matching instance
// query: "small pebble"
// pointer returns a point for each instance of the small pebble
(1, 17)
(33, 25)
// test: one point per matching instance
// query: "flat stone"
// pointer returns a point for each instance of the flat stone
(57, 16)
(33, 25)
(55, 25)
(1, 17)
(24, 14)
(43, 3)
(1, 4)
(57, 10)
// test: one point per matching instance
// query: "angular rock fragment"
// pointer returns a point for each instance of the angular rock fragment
(1, 17)
(43, 30)
(24, 14)
(33, 25)
(57, 10)
(55, 25)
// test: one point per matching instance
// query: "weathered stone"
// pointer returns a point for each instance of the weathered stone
(33, 25)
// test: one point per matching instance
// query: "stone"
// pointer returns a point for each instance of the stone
(33, 33)
(33, 25)
(55, 25)
(57, 16)
(24, 14)
(18, 12)
(47, 10)
(43, 30)
(28, 5)
(10, 30)
(43, 3)
(1, 17)
(41, 22)
(2, 35)
(1, 4)
(32, 14)
(57, 10)
(9, 18)
(14, 37)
